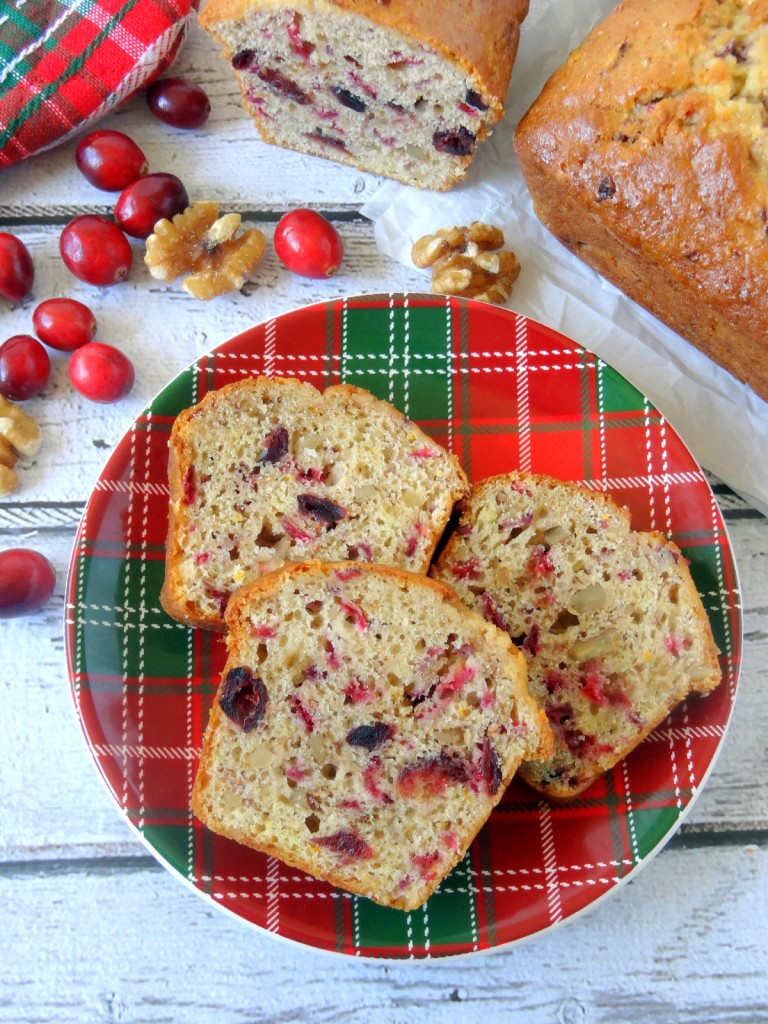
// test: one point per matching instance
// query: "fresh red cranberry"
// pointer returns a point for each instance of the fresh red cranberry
(179, 103)
(148, 200)
(64, 324)
(100, 372)
(24, 367)
(110, 160)
(243, 698)
(17, 272)
(95, 250)
(27, 580)
(308, 244)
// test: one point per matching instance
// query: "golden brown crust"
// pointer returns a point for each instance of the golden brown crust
(643, 157)
(481, 35)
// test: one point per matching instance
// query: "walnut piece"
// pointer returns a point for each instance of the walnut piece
(205, 246)
(19, 435)
(464, 261)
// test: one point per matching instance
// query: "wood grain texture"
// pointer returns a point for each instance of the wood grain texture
(87, 945)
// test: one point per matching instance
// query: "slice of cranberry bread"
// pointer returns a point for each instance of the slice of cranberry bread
(366, 724)
(267, 471)
(404, 88)
(609, 620)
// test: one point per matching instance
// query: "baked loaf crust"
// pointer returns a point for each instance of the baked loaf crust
(265, 471)
(404, 88)
(366, 724)
(609, 620)
(647, 156)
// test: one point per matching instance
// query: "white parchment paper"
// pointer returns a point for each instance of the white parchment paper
(723, 422)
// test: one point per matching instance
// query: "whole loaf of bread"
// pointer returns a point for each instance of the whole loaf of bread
(647, 155)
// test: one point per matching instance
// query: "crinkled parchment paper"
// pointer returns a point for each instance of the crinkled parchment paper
(723, 422)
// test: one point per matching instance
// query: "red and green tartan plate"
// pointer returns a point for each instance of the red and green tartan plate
(501, 391)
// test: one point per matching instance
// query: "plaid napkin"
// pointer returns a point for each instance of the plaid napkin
(65, 63)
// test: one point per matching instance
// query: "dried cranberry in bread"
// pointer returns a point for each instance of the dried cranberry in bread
(366, 724)
(265, 471)
(647, 155)
(404, 88)
(609, 620)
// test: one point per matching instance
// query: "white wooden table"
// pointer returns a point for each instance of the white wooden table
(92, 929)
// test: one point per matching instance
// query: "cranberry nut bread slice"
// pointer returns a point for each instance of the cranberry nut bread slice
(267, 471)
(610, 622)
(366, 724)
(404, 88)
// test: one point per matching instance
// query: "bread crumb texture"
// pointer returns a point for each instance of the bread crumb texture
(366, 724)
(264, 472)
(329, 81)
(609, 620)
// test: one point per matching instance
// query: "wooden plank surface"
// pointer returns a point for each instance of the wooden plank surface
(92, 928)
(87, 942)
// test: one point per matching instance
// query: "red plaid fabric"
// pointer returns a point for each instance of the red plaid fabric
(65, 63)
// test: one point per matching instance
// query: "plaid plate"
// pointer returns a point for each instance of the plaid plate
(65, 63)
(500, 391)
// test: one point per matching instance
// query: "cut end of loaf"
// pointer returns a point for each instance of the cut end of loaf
(609, 620)
(366, 725)
(336, 84)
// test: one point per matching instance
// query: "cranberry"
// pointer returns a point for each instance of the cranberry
(454, 141)
(489, 772)
(243, 698)
(474, 99)
(179, 103)
(27, 580)
(308, 244)
(348, 99)
(246, 60)
(491, 612)
(148, 200)
(64, 324)
(189, 486)
(277, 445)
(349, 844)
(95, 250)
(24, 367)
(110, 160)
(370, 736)
(321, 509)
(327, 140)
(281, 84)
(606, 189)
(17, 272)
(431, 775)
(100, 372)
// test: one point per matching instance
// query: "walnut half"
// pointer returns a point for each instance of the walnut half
(19, 435)
(465, 262)
(206, 247)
